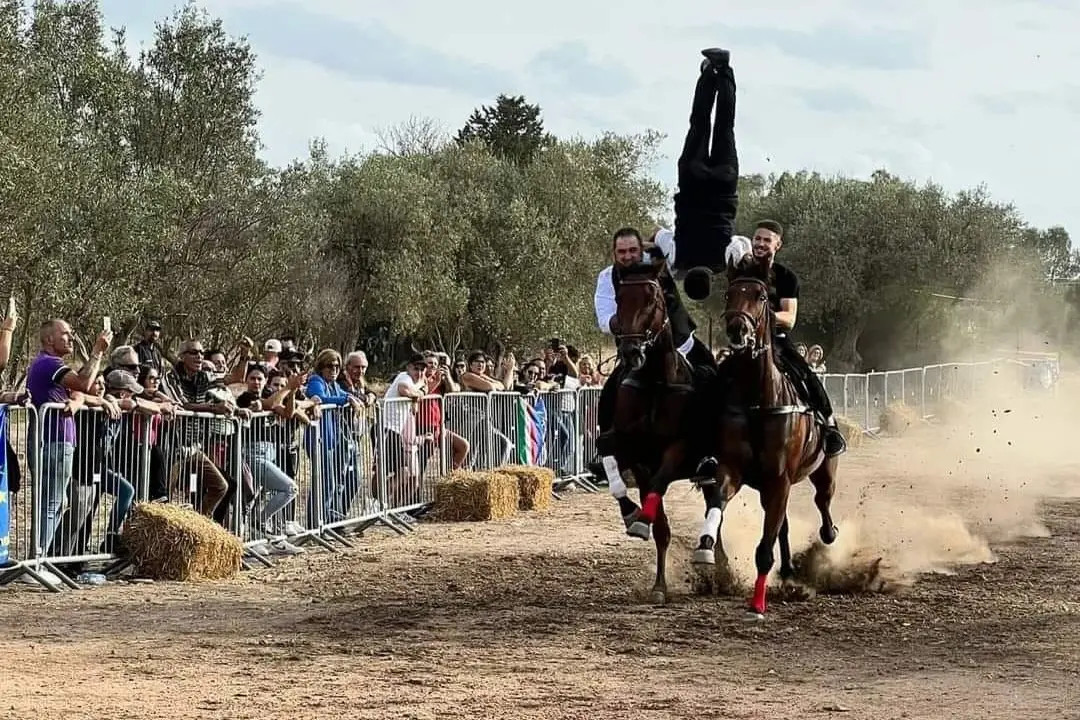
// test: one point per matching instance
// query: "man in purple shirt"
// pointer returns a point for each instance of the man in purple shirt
(50, 381)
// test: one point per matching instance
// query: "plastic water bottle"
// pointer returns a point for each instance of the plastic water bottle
(90, 578)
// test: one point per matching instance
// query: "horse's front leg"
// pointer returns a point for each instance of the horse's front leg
(662, 536)
(652, 494)
(718, 493)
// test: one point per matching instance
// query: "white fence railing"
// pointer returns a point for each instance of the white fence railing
(67, 481)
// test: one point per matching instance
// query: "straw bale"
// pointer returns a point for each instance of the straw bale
(534, 485)
(167, 542)
(851, 431)
(471, 496)
(897, 419)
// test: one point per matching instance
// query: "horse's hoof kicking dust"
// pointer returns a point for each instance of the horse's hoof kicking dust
(829, 534)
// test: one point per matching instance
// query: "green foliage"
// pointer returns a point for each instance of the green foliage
(131, 186)
(512, 129)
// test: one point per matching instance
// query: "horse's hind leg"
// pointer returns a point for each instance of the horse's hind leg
(787, 570)
(824, 480)
(662, 537)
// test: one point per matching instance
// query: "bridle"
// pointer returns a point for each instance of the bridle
(649, 336)
(752, 346)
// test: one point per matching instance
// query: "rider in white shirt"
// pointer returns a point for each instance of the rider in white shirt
(628, 249)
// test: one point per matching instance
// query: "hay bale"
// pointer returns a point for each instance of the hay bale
(851, 431)
(534, 485)
(472, 496)
(167, 542)
(897, 419)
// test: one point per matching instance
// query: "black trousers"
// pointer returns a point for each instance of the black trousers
(707, 200)
(699, 357)
(794, 363)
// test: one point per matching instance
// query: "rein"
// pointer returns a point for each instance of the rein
(756, 351)
(649, 337)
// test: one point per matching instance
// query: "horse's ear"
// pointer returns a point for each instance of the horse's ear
(655, 256)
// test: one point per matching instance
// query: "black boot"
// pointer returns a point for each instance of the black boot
(717, 57)
(835, 444)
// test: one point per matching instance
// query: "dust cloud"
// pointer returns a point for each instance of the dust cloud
(931, 501)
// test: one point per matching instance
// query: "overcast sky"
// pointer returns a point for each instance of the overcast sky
(959, 91)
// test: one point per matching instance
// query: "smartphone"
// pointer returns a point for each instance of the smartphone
(107, 324)
(10, 306)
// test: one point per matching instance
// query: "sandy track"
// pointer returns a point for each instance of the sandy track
(540, 617)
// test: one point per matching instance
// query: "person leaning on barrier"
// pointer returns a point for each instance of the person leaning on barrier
(335, 453)
(478, 378)
(437, 381)
(193, 385)
(354, 378)
(260, 451)
(397, 416)
(50, 380)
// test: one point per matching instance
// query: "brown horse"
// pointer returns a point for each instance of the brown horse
(767, 437)
(652, 401)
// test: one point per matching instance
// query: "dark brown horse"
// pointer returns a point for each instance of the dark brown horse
(767, 437)
(651, 407)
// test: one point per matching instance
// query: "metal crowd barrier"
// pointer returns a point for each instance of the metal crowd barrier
(862, 397)
(283, 483)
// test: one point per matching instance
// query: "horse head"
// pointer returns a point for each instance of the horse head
(640, 311)
(746, 311)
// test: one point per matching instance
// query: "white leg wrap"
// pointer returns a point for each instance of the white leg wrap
(615, 481)
(711, 526)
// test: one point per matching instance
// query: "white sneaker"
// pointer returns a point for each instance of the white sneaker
(293, 528)
(260, 550)
(284, 547)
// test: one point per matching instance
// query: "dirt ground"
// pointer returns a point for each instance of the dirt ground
(542, 616)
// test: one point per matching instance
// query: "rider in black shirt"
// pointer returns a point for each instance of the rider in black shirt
(784, 301)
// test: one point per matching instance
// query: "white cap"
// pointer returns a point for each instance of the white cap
(272, 346)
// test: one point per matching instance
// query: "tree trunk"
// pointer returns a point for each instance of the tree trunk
(844, 356)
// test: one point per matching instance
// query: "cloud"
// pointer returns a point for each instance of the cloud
(570, 65)
(836, 45)
(836, 100)
(364, 51)
(926, 89)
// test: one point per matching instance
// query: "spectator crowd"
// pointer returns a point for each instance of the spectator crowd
(225, 433)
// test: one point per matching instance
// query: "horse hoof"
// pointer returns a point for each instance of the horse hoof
(639, 529)
(658, 597)
(704, 557)
(828, 534)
